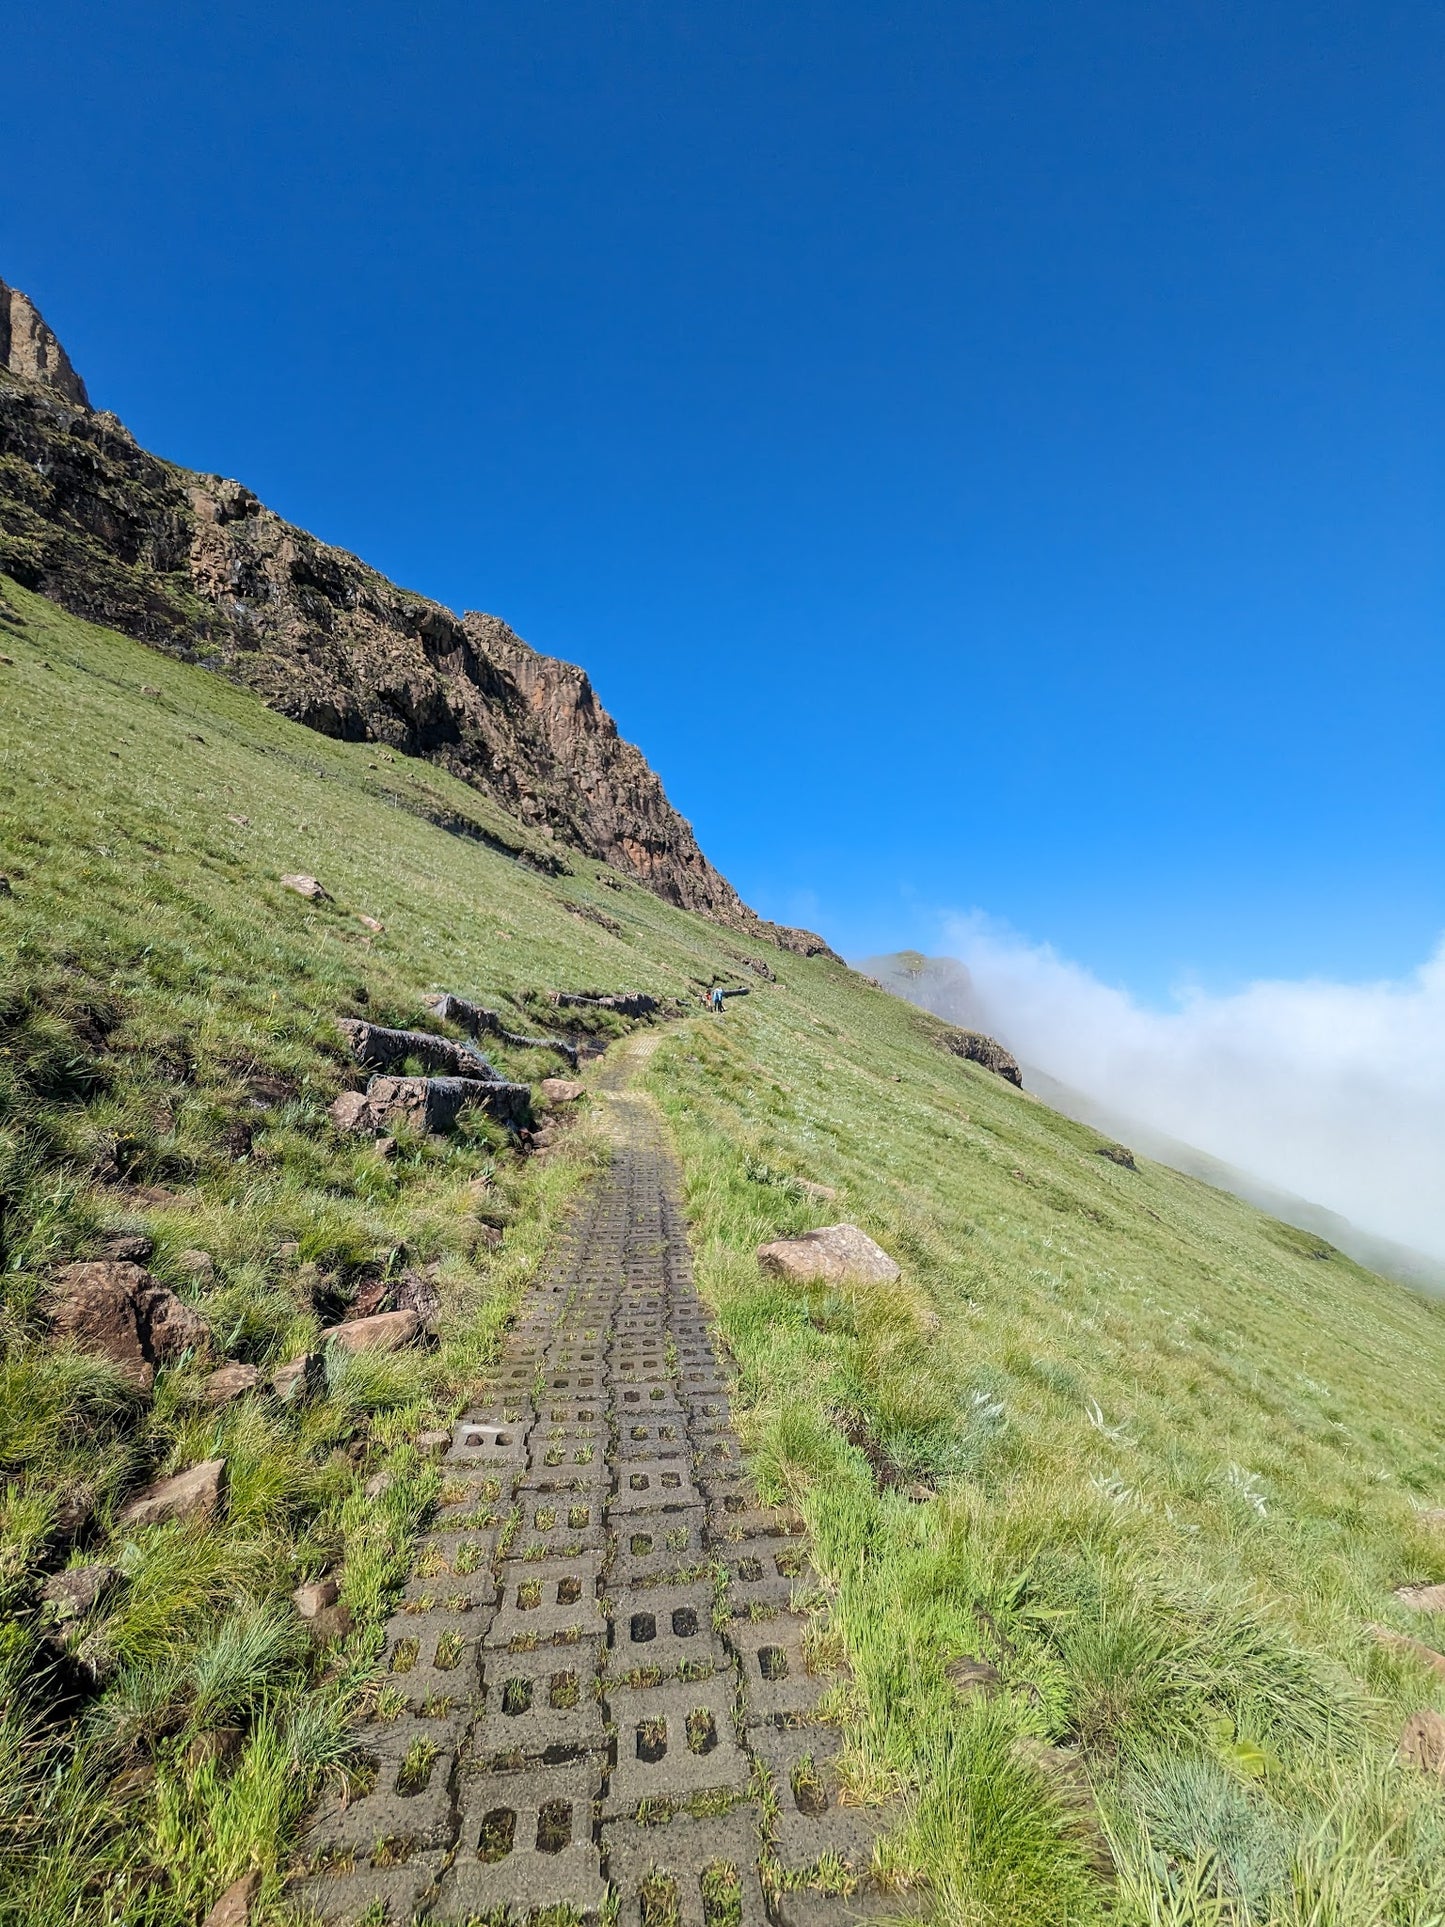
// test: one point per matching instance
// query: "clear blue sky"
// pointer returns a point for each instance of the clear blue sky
(986, 455)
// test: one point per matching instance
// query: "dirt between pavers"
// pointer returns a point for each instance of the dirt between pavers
(604, 1629)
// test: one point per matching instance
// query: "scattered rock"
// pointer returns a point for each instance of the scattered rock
(74, 1510)
(233, 1909)
(1422, 1742)
(219, 1746)
(1432, 1518)
(373, 924)
(1117, 1154)
(228, 1384)
(491, 1235)
(418, 1291)
(973, 1678)
(832, 1253)
(116, 1308)
(308, 887)
(196, 1493)
(378, 1485)
(562, 1090)
(351, 1112)
(1407, 1648)
(291, 1249)
(1422, 1599)
(387, 1331)
(823, 1192)
(385, 1147)
(127, 1248)
(199, 1265)
(7, 888)
(238, 1139)
(315, 1596)
(241, 822)
(429, 1441)
(301, 1379)
(76, 1591)
(319, 1606)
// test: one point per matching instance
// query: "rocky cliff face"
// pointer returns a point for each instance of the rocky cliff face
(29, 349)
(197, 566)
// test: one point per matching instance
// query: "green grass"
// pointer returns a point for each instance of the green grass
(1115, 1432)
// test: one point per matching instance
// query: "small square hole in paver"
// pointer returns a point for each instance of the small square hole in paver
(641, 1628)
(772, 1662)
(554, 1826)
(651, 1739)
(684, 1622)
(641, 1543)
(499, 1831)
(701, 1731)
(810, 1796)
(722, 1895)
(660, 1904)
(672, 1480)
(516, 1697)
(569, 1591)
(639, 1481)
(750, 1569)
(563, 1691)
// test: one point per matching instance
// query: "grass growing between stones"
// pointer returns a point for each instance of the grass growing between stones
(1114, 1433)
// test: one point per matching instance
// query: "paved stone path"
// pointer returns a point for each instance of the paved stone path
(599, 1689)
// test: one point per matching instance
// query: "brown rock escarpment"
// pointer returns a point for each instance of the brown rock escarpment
(198, 566)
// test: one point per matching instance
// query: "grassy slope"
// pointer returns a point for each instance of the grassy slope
(1175, 1460)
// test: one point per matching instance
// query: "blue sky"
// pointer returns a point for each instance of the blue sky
(988, 457)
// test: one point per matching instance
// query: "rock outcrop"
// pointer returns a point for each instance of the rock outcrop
(30, 350)
(199, 567)
(984, 1051)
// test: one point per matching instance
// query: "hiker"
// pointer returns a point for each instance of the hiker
(717, 1000)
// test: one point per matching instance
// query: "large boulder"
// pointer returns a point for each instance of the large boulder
(117, 1309)
(386, 1331)
(830, 1255)
(195, 1493)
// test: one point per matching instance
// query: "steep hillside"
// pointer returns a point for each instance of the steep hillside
(1112, 1493)
(197, 566)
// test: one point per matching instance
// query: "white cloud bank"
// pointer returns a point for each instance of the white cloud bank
(1333, 1091)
